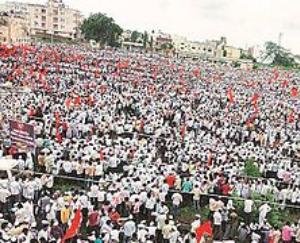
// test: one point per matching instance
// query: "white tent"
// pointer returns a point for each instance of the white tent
(7, 164)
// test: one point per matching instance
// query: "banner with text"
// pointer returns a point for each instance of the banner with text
(22, 133)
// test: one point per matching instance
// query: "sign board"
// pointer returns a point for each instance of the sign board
(23, 133)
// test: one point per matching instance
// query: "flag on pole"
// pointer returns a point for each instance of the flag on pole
(291, 117)
(254, 101)
(74, 227)
(204, 229)
(230, 95)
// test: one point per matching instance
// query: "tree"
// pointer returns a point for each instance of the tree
(279, 55)
(151, 42)
(134, 36)
(145, 39)
(102, 29)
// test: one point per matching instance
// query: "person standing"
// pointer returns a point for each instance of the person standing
(129, 229)
(217, 229)
(248, 204)
(287, 233)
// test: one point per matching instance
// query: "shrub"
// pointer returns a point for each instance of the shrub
(251, 169)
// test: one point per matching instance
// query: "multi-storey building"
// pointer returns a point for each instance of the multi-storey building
(51, 19)
(13, 29)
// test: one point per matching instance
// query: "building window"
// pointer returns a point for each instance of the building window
(55, 12)
(43, 25)
(62, 20)
(55, 26)
(55, 19)
(193, 48)
(43, 18)
(36, 16)
(62, 27)
(43, 10)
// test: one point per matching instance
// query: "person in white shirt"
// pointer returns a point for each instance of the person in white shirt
(217, 225)
(248, 208)
(263, 211)
(196, 223)
(176, 201)
(129, 229)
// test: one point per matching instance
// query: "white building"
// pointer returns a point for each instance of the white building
(209, 49)
(52, 18)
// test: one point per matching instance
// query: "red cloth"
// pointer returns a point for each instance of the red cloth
(209, 159)
(291, 117)
(115, 217)
(276, 74)
(254, 101)
(68, 102)
(75, 226)
(101, 154)
(205, 228)
(77, 100)
(294, 92)
(171, 180)
(230, 95)
(225, 189)
(182, 131)
(196, 72)
(284, 83)
(94, 219)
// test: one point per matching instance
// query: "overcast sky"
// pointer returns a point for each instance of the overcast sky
(243, 22)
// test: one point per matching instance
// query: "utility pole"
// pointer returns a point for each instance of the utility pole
(280, 36)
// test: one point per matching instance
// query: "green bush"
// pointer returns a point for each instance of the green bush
(251, 169)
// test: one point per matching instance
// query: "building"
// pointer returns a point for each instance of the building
(161, 41)
(209, 49)
(45, 20)
(13, 29)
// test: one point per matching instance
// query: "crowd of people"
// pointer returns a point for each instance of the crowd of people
(145, 136)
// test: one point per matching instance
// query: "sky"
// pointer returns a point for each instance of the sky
(244, 22)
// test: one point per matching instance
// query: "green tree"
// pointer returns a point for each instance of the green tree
(279, 55)
(134, 36)
(151, 42)
(145, 39)
(251, 169)
(102, 29)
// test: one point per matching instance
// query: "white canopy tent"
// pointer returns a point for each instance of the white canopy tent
(7, 164)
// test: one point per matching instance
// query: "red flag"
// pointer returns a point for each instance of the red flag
(77, 100)
(254, 101)
(101, 154)
(196, 72)
(276, 74)
(294, 92)
(74, 228)
(230, 95)
(182, 131)
(291, 117)
(209, 159)
(58, 136)
(68, 102)
(203, 229)
(285, 83)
